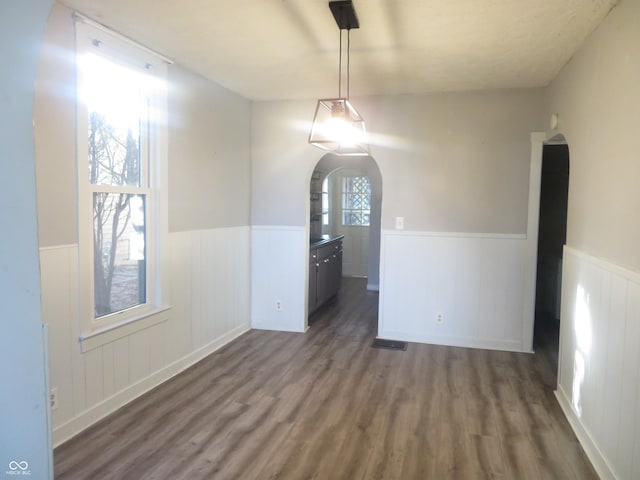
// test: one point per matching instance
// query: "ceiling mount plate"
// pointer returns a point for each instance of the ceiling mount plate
(345, 14)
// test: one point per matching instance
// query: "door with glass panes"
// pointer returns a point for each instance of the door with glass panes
(351, 194)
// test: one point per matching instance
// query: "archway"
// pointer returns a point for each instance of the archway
(365, 166)
(552, 231)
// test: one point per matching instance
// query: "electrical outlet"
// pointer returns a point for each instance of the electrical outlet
(278, 305)
(53, 398)
(439, 318)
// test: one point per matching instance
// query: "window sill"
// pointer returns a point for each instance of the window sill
(111, 333)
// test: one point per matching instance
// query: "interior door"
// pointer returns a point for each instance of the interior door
(351, 207)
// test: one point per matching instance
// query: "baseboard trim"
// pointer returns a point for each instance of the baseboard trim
(73, 427)
(277, 328)
(466, 342)
(590, 448)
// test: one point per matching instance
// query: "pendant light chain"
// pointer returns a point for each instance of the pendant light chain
(340, 67)
(348, 29)
(348, 57)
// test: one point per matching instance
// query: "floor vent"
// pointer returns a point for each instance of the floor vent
(390, 344)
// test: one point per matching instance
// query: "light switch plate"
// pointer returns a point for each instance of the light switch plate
(399, 223)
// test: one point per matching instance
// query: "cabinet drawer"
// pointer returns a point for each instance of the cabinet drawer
(329, 250)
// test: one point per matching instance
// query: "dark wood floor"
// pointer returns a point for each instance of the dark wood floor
(325, 405)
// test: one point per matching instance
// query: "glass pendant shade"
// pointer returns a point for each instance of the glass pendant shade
(339, 128)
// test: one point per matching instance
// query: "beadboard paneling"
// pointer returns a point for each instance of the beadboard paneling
(279, 273)
(210, 297)
(599, 361)
(67, 373)
(477, 282)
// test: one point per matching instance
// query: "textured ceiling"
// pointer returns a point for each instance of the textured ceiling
(287, 49)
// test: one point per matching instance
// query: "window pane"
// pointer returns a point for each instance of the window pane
(356, 201)
(117, 108)
(349, 218)
(119, 251)
(114, 155)
(325, 201)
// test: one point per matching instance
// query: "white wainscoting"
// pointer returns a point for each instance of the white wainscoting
(599, 361)
(477, 282)
(279, 273)
(210, 297)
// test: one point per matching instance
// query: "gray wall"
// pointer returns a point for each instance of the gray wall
(456, 162)
(598, 101)
(208, 145)
(209, 154)
(55, 132)
(282, 162)
(24, 435)
(449, 162)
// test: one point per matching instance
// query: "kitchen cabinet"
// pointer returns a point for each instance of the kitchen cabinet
(325, 270)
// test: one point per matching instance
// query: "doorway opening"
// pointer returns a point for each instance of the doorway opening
(552, 234)
(346, 203)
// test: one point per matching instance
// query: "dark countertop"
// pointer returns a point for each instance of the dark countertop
(322, 240)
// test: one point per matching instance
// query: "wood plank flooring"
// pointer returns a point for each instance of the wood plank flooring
(325, 405)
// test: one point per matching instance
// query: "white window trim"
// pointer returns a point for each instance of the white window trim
(104, 330)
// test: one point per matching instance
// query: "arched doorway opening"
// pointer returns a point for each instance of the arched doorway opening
(552, 234)
(340, 207)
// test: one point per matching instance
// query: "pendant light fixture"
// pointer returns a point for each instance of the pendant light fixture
(337, 125)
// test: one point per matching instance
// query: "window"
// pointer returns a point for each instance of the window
(325, 201)
(121, 90)
(356, 201)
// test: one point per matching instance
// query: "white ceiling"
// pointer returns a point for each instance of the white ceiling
(286, 49)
